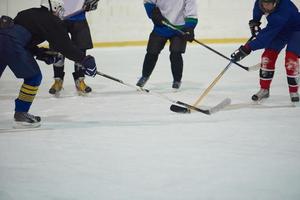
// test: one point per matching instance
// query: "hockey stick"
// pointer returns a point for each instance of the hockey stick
(179, 109)
(205, 111)
(213, 50)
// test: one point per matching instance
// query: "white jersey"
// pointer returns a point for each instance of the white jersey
(176, 10)
(72, 6)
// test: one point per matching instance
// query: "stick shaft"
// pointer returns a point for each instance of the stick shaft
(153, 93)
(208, 89)
(204, 45)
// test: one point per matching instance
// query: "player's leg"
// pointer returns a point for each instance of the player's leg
(81, 36)
(267, 69)
(292, 65)
(177, 48)
(24, 66)
(155, 44)
(23, 103)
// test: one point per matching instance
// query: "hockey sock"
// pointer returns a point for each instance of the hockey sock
(176, 65)
(59, 72)
(268, 60)
(292, 71)
(77, 75)
(59, 67)
(27, 93)
(78, 70)
(149, 64)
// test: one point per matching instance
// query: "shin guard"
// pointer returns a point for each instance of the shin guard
(268, 60)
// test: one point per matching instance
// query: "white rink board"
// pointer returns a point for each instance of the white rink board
(126, 20)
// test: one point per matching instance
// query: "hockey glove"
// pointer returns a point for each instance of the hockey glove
(89, 66)
(240, 53)
(254, 27)
(157, 17)
(189, 34)
(46, 55)
(90, 5)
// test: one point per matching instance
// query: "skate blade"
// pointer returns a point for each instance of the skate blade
(84, 94)
(174, 90)
(25, 125)
(57, 94)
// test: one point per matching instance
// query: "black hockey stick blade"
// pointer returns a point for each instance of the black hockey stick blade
(179, 109)
(188, 108)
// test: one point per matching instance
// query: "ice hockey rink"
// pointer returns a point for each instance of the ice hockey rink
(122, 144)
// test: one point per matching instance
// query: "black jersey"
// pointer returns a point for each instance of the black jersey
(44, 26)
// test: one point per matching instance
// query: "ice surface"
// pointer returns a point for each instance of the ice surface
(120, 144)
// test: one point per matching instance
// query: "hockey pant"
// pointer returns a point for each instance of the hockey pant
(155, 44)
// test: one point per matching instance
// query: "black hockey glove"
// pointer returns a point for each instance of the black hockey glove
(89, 66)
(90, 5)
(240, 53)
(157, 17)
(189, 34)
(46, 55)
(254, 27)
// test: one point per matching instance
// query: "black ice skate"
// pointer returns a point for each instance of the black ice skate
(26, 120)
(176, 84)
(142, 81)
(294, 96)
(261, 94)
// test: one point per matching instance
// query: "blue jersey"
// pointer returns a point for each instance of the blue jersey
(282, 23)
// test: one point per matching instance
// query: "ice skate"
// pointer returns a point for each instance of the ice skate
(81, 87)
(142, 81)
(26, 120)
(56, 87)
(176, 85)
(294, 96)
(261, 94)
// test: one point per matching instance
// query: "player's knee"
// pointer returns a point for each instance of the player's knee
(35, 80)
(292, 63)
(269, 58)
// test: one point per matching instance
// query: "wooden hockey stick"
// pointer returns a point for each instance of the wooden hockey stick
(207, 90)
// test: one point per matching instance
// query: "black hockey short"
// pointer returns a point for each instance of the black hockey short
(156, 43)
(80, 33)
